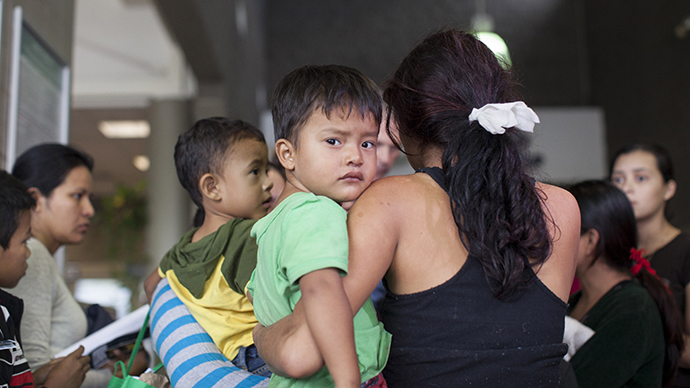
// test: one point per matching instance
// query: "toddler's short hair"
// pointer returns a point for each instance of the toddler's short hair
(204, 147)
(328, 87)
(14, 199)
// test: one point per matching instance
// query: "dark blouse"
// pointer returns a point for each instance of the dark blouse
(458, 335)
(628, 346)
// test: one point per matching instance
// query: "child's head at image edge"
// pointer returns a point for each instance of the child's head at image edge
(326, 121)
(15, 228)
(223, 166)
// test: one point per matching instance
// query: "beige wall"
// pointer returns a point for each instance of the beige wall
(53, 21)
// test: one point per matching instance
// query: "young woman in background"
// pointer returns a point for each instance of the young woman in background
(645, 174)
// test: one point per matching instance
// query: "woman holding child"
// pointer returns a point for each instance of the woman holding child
(645, 174)
(477, 257)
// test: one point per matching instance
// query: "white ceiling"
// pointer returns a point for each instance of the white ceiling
(123, 58)
(122, 50)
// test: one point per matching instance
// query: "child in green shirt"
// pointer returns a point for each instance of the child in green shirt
(326, 121)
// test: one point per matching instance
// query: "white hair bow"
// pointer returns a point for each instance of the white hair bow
(495, 118)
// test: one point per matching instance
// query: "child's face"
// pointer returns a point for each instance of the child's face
(336, 157)
(13, 259)
(244, 180)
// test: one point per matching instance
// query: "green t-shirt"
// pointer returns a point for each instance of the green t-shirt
(628, 346)
(305, 233)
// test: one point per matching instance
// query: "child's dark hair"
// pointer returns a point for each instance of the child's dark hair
(329, 88)
(14, 199)
(661, 154)
(496, 205)
(204, 147)
(46, 166)
(606, 209)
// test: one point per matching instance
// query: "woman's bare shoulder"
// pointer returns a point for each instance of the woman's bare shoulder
(559, 203)
(392, 194)
(402, 185)
(398, 191)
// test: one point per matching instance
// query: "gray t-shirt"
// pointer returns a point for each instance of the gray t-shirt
(53, 319)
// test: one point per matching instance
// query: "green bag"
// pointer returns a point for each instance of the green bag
(129, 381)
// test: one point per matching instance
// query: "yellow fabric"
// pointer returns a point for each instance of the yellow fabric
(227, 316)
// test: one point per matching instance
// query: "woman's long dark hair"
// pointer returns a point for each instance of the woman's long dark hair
(496, 205)
(606, 209)
(46, 166)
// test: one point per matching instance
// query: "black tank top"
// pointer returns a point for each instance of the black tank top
(458, 335)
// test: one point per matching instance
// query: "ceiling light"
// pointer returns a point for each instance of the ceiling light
(483, 26)
(141, 162)
(125, 129)
(496, 44)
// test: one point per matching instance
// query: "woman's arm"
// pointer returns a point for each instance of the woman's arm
(373, 227)
(287, 346)
(558, 271)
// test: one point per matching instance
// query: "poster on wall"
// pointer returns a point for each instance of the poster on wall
(38, 109)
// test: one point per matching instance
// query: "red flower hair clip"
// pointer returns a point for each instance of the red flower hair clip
(639, 262)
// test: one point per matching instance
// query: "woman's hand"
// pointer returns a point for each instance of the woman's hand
(41, 374)
(141, 362)
(69, 371)
(287, 346)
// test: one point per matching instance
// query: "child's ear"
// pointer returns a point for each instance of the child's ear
(208, 185)
(285, 152)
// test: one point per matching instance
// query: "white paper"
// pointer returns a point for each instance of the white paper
(130, 323)
(575, 335)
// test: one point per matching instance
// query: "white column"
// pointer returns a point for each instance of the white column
(168, 203)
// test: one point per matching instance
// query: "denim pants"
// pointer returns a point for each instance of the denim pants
(248, 359)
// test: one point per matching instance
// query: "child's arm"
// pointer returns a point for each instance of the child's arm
(150, 284)
(329, 317)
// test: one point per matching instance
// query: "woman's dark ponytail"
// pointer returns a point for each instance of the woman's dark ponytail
(670, 315)
(497, 207)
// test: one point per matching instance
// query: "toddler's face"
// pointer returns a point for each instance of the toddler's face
(336, 157)
(244, 180)
(13, 259)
